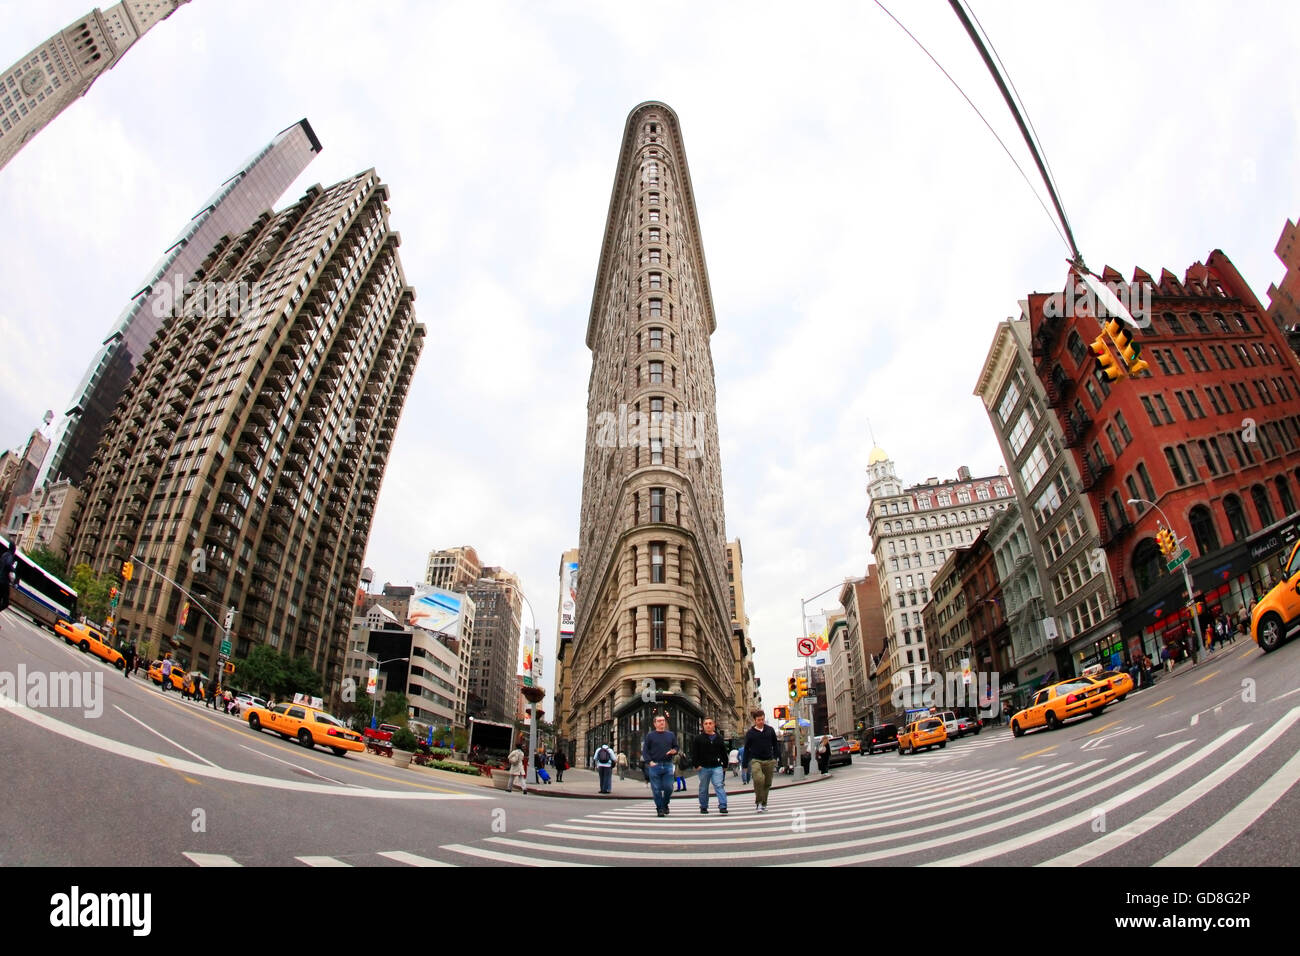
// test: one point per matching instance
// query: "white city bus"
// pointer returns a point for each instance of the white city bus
(39, 594)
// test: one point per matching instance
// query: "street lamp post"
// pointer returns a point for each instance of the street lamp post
(374, 698)
(1187, 582)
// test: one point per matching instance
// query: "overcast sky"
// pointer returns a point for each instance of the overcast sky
(864, 231)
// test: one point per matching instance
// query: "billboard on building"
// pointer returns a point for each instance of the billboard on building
(436, 609)
(569, 599)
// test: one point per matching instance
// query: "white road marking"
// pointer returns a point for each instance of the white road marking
(293, 765)
(321, 861)
(508, 857)
(210, 859)
(47, 723)
(410, 859)
(1184, 799)
(1229, 827)
(1287, 694)
(162, 736)
(1085, 817)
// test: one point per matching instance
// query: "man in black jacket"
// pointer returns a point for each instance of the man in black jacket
(760, 757)
(710, 759)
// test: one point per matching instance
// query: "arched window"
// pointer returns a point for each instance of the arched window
(1148, 565)
(1284, 495)
(1207, 539)
(1236, 518)
(1262, 507)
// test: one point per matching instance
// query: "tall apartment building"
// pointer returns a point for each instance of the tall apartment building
(747, 683)
(60, 71)
(566, 614)
(1211, 435)
(654, 620)
(913, 530)
(863, 643)
(498, 603)
(454, 569)
(254, 188)
(245, 458)
(1062, 530)
(18, 476)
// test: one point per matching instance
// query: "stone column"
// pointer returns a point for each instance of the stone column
(674, 627)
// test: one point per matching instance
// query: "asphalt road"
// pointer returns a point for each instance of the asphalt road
(1199, 770)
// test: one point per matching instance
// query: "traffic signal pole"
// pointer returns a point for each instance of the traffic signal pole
(1187, 583)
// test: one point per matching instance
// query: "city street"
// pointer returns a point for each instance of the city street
(1198, 770)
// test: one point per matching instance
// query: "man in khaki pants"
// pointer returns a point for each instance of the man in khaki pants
(760, 758)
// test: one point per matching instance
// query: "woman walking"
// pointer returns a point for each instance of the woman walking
(621, 763)
(516, 771)
(824, 755)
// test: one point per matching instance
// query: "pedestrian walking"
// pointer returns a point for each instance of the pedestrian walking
(561, 765)
(166, 672)
(539, 761)
(710, 758)
(1167, 659)
(824, 756)
(214, 695)
(516, 771)
(658, 748)
(679, 768)
(744, 767)
(733, 761)
(128, 656)
(8, 572)
(760, 758)
(1209, 639)
(622, 765)
(604, 760)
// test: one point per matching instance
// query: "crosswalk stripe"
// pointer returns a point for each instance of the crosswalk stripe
(1111, 803)
(321, 861)
(410, 859)
(507, 857)
(1228, 828)
(1181, 801)
(210, 859)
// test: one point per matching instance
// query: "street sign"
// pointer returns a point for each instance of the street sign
(225, 648)
(811, 698)
(230, 618)
(1177, 562)
(806, 647)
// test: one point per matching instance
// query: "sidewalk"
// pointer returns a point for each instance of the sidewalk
(586, 783)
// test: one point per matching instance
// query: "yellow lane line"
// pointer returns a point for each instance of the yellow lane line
(1160, 701)
(1093, 733)
(1037, 752)
(1207, 677)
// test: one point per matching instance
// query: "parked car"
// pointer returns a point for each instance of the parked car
(927, 733)
(1063, 701)
(882, 737)
(840, 752)
(243, 702)
(968, 725)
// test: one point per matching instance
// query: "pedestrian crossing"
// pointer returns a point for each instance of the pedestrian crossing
(1182, 800)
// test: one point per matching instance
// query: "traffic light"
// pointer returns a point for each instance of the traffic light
(781, 713)
(1105, 359)
(802, 687)
(229, 667)
(1165, 538)
(794, 689)
(112, 595)
(1126, 347)
(128, 569)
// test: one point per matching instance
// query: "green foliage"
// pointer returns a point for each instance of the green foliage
(455, 767)
(49, 560)
(262, 671)
(92, 591)
(301, 678)
(403, 739)
(394, 708)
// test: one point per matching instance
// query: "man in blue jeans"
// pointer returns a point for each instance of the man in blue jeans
(711, 762)
(657, 752)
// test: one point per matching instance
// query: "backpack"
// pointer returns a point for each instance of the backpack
(604, 755)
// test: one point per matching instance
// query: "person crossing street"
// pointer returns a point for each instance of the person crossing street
(710, 760)
(760, 758)
(658, 749)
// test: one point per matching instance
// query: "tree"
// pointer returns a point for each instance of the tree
(262, 670)
(51, 561)
(92, 591)
(394, 708)
(300, 677)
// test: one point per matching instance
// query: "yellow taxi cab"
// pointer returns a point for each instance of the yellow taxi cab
(1119, 683)
(308, 725)
(91, 640)
(1278, 611)
(927, 732)
(855, 746)
(178, 675)
(1062, 701)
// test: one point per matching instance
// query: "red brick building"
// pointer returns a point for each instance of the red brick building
(989, 634)
(1211, 435)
